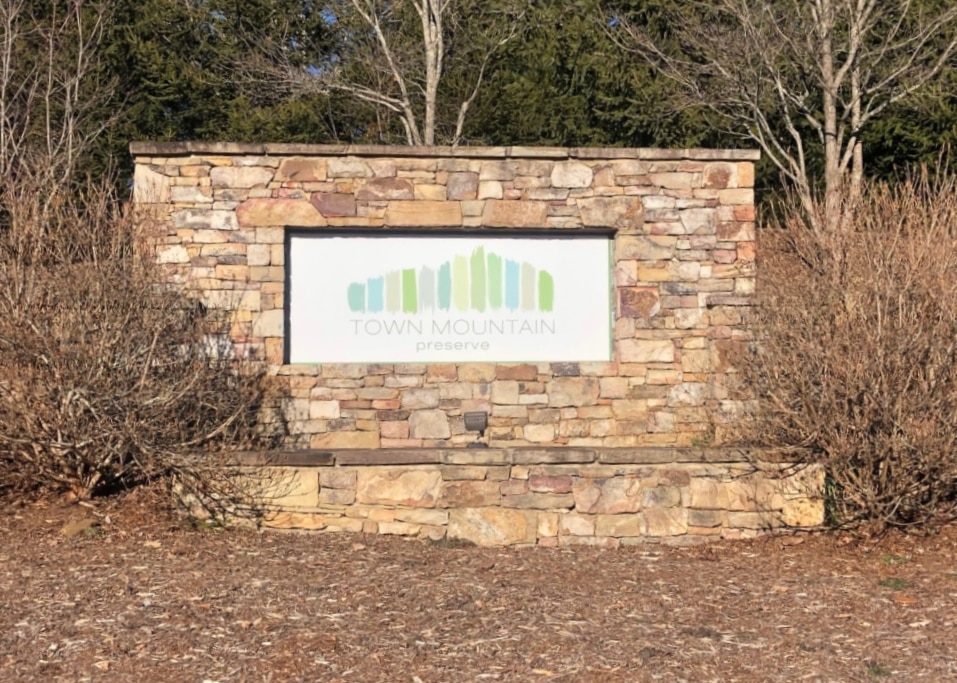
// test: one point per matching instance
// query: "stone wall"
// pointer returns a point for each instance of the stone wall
(549, 497)
(683, 225)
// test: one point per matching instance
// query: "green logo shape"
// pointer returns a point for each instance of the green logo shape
(476, 282)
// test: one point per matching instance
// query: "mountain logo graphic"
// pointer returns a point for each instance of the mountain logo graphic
(478, 282)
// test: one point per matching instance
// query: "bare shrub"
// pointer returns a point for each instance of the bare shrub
(855, 358)
(107, 378)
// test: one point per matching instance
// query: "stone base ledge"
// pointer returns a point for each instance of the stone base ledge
(551, 497)
(527, 455)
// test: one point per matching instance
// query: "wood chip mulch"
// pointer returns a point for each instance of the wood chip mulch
(128, 592)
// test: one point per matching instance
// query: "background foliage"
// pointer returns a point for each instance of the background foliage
(187, 70)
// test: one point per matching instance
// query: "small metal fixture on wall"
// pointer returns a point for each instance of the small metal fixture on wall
(477, 422)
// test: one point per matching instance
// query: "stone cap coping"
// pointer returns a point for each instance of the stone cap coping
(496, 456)
(513, 152)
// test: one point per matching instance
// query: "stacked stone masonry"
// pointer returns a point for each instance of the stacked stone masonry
(683, 231)
(534, 496)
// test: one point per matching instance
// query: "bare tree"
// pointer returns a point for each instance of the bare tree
(51, 86)
(800, 76)
(396, 54)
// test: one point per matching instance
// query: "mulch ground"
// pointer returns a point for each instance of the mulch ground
(142, 596)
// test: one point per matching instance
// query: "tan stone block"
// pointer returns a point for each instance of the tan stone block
(430, 192)
(572, 391)
(710, 519)
(654, 274)
(520, 472)
(548, 524)
(696, 361)
(336, 478)
(347, 167)
(514, 486)
(673, 180)
(258, 254)
(542, 483)
(420, 516)
(423, 214)
(708, 494)
(645, 351)
(737, 196)
(496, 170)
(240, 176)
(539, 433)
(504, 392)
(661, 496)
(324, 410)
(397, 486)
(394, 429)
(803, 512)
(595, 412)
(455, 390)
(613, 387)
(470, 493)
(746, 174)
(476, 372)
(591, 541)
(441, 372)
(639, 302)
(504, 213)
(301, 170)
(490, 189)
(720, 176)
(601, 428)
(533, 399)
(571, 174)
(734, 231)
(337, 497)
(462, 185)
(549, 194)
(190, 195)
(607, 496)
(334, 204)
(345, 440)
(386, 188)
(173, 254)
(270, 236)
(538, 501)
(429, 424)
(279, 212)
(353, 526)
(753, 520)
(207, 223)
(645, 247)
(465, 472)
(622, 212)
(573, 524)
(269, 324)
(619, 526)
(274, 351)
(399, 529)
(661, 422)
(493, 526)
(666, 521)
(310, 521)
(150, 186)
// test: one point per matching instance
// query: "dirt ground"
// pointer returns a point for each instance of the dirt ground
(143, 596)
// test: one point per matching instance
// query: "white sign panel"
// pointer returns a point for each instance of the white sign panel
(410, 299)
